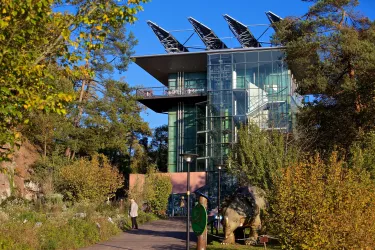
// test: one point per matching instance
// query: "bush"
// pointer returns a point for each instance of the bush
(93, 180)
(18, 235)
(325, 206)
(19, 227)
(258, 156)
(155, 191)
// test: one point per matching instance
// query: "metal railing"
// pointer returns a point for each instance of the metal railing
(167, 92)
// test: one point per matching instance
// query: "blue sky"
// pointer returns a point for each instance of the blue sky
(172, 15)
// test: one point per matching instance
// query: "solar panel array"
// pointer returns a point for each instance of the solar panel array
(208, 37)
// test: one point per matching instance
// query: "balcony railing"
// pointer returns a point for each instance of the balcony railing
(166, 92)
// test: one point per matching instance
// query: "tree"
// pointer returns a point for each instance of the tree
(140, 161)
(105, 117)
(159, 148)
(331, 52)
(149, 154)
(259, 156)
(33, 37)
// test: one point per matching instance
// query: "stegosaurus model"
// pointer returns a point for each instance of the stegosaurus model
(242, 210)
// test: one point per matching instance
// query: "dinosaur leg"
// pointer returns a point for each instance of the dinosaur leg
(228, 233)
(253, 237)
(229, 239)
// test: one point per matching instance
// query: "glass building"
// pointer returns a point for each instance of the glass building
(208, 95)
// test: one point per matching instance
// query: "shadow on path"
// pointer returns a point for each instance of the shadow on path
(163, 234)
(159, 235)
(116, 247)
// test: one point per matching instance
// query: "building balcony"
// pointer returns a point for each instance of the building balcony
(163, 92)
(161, 99)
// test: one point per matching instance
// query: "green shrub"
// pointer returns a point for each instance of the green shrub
(18, 235)
(93, 180)
(157, 189)
(61, 230)
(258, 156)
(323, 205)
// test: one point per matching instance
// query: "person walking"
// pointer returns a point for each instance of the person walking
(133, 212)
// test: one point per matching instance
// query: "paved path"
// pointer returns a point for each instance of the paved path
(161, 234)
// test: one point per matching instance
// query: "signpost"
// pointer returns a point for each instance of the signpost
(263, 239)
(199, 222)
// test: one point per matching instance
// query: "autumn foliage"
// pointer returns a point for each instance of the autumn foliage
(93, 180)
(325, 205)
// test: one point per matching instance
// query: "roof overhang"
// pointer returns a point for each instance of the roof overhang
(163, 104)
(160, 66)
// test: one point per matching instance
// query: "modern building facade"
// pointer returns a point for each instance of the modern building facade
(208, 95)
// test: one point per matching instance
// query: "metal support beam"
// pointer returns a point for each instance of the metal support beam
(272, 17)
(170, 43)
(208, 37)
(242, 33)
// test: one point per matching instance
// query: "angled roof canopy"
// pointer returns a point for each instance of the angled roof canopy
(242, 33)
(273, 17)
(208, 37)
(170, 43)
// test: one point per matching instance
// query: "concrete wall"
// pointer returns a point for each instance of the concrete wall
(197, 180)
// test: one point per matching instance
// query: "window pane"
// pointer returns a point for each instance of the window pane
(265, 56)
(238, 57)
(252, 57)
(214, 59)
(226, 58)
(278, 55)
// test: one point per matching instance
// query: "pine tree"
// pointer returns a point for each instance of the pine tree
(331, 52)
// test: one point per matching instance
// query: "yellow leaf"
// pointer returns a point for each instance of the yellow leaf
(17, 135)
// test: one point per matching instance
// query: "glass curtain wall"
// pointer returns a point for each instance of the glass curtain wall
(182, 120)
(242, 87)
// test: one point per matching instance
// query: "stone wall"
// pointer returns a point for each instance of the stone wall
(197, 180)
(15, 177)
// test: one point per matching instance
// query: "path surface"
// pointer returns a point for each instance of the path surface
(161, 234)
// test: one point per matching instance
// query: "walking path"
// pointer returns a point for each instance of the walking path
(160, 234)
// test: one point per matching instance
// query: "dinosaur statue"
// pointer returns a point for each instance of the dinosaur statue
(242, 210)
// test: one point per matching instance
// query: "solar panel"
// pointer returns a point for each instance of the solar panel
(170, 43)
(242, 33)
(273, 17)
(207, 36)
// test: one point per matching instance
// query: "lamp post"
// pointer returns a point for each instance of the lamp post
(188, 158)
(218, 195)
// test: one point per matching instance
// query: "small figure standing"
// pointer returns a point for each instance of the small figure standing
(183, 206)
(133, 212)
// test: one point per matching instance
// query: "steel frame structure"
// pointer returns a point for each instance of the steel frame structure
(242, 33)
(208, 37)
(272, 17)
(169, 42)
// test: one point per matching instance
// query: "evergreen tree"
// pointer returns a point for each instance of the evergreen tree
(331, 52)
(159, 148)
(259, 156)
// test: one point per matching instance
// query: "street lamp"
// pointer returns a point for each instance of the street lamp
(188, 158)
(218, 194)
